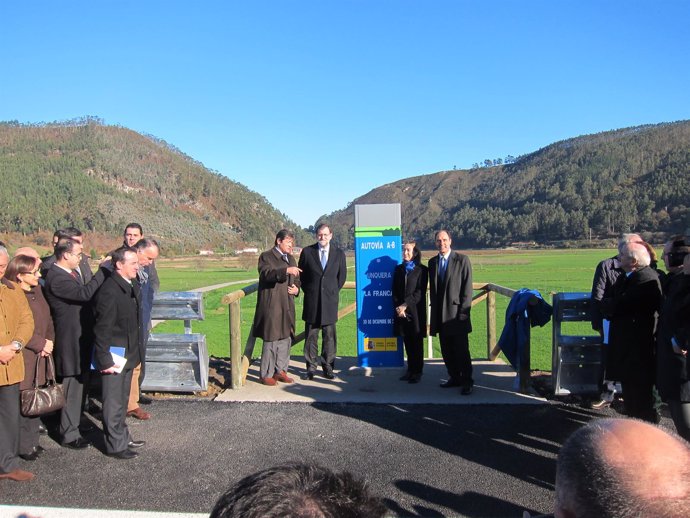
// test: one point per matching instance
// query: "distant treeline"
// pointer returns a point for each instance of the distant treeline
(595, 186)
(98, 178)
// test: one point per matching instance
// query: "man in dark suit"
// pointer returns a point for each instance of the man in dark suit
(117, 325)
(83, 269)
(69, 300)
(450, 276)
(323, 273)
(147, 252)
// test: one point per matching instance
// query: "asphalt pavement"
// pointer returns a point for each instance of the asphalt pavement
(462, 457)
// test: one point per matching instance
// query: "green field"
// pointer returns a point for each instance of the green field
(549, 271)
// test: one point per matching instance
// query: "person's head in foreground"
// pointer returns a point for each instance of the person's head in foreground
(300, 491)
(620, 468)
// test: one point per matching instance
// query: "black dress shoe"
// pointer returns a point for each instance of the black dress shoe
(309, 376)
(77, 444)
(467, 389)
(145, 400)
(42, 430)
(329, 375)
(450, 383)
(405, 377)
(135, 444)
(124, 454)
(29, 456)
(414, 378)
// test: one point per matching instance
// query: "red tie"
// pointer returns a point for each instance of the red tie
(73, 273)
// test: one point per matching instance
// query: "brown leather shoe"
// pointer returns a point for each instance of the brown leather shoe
(283, 377)
(268, 381)
(138, 413)
(18, 475)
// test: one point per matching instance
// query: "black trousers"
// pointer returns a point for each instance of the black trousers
(456, 355)
(328, 346)
(639, 399)
(115, 389)
(9, 427)
(414, 348)
(70, 416)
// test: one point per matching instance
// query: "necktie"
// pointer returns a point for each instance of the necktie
(323, 258)
(143, 276)
(285, 258)
(442, 268)
(74, 274)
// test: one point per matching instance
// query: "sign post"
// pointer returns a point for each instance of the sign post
(378, 250)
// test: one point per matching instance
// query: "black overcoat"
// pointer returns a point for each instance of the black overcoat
(117, 322)
(70, 306)
(632, 310)
(453, 297)
(410, 289)
(274, 318)
(321, 287)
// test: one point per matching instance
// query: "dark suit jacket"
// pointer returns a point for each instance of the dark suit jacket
(321, 287)
(453, 297)
(274, 318)
(70, 305)
(117, 316)
(84, 267)
(410, 290)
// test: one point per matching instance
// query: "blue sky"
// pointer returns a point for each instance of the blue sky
(313, 103)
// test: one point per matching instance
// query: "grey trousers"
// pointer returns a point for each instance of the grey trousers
(275, 357)
(28, 434)
(70, 415)
(9, 427)
(115, 389)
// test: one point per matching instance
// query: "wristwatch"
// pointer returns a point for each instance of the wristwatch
(16, 345)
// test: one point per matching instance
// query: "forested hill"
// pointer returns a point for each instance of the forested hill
(96, 177)
(633, 179)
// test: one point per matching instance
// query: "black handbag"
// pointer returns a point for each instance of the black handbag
(46, 399)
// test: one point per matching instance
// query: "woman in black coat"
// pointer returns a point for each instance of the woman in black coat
(25, 271)
(409, 299)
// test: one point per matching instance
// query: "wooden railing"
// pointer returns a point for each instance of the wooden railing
(486, 292)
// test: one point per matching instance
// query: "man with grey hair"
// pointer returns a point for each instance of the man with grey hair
(605, 276)
(632, 309)
(622, 468)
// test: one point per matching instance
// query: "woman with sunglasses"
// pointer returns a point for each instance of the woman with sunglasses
(25, 271)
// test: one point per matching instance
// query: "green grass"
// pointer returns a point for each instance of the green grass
(549, 271)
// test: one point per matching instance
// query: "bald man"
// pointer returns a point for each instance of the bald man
(623, 468)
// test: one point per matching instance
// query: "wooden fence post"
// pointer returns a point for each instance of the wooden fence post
(235, 343)
(490, 323)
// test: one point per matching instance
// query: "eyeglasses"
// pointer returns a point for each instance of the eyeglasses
(35, 273)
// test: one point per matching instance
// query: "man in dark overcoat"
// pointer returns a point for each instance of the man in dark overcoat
(70, 305)
(274, 318)
(450, 280)
(632, 309)
(323, 273)
(117, 313)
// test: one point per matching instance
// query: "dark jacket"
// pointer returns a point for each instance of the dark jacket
(632, 310)
(410, 289)
(605, 276)
(274, 318)
(71, 309)
(43, 330)
(84, 267)
(321, 287)
(673, 374)
(117, 316)
(453, 297)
